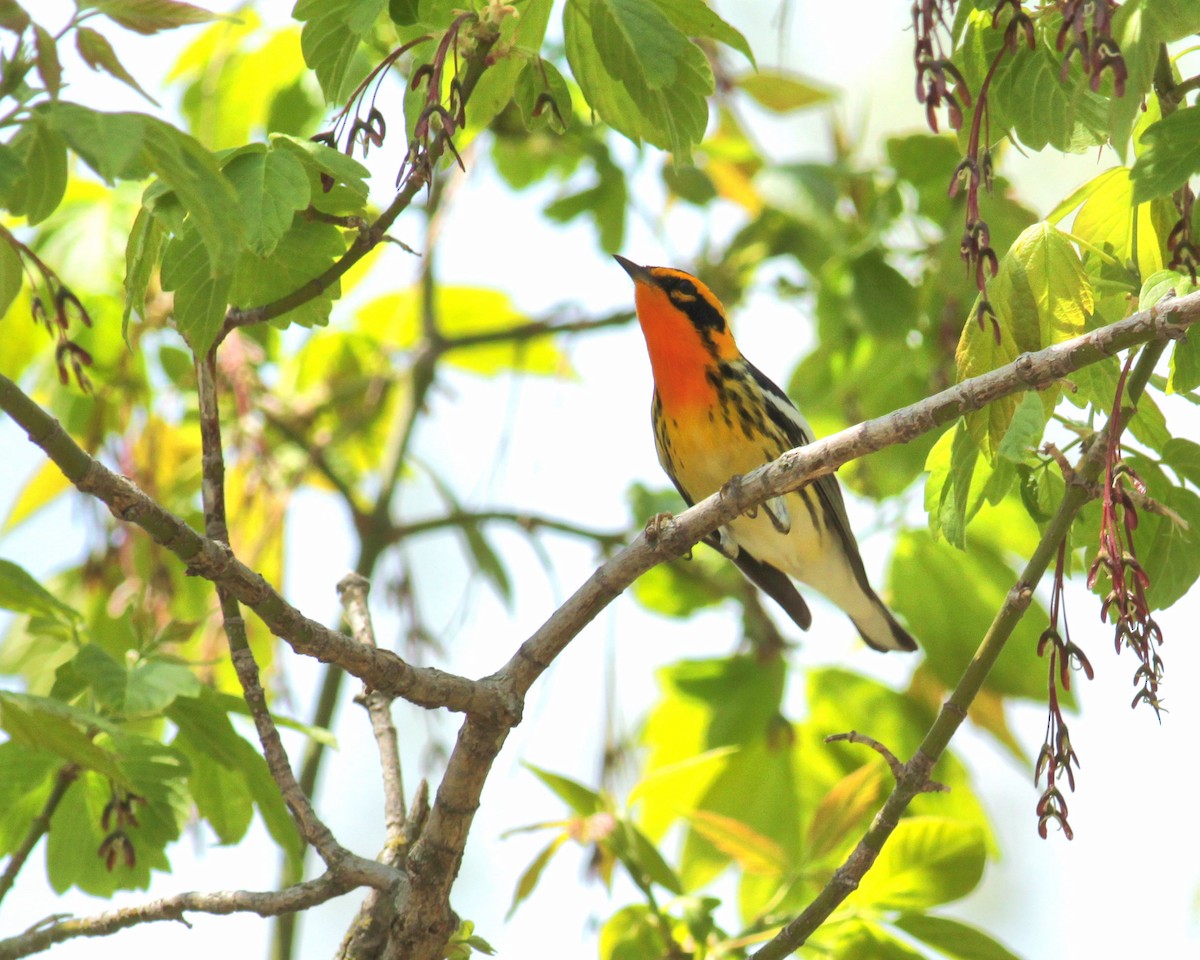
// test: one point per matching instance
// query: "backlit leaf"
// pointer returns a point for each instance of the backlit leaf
(333, 30)
(582, 800)
(927, 861)
(953, 938)
(37, 191)
(151, 16)
(98, 54)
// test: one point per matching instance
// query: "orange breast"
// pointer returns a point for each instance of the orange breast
(679, 356)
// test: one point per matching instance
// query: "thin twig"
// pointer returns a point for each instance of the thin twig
(353, 591)
(38, 827)
(270, 903)
(311, 827)
(529, 522)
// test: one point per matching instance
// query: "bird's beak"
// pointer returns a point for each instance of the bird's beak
(636, 273)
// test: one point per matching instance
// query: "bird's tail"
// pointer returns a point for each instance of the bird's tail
(881, 630)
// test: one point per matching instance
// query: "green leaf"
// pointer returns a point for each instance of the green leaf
(1041, 296)
(142, 254)
(922, 571)
(271, 186)
(40, 723)
(1172, 559)
(1140, 28)
(21, 593)
(333, 30)
(25, 781)
(206, 727)
(486, 561)
(955, 939)
(639, 72)
(582, 800)
(220, 793)
(201, 294)
(695, 18)
(520, 39)
(12, 276)
(36, 193)
(927, 861)
(1025, 430)
(157, 775)
(394, 319)
(1070, 117)
(349, 191)
(12, 17)
(532, 873)
(1172, 154)
(305, 251)
(862, 939)
(1185, 365)
(49, 69)
(133, 145)
(152, 16)
(682, 587)
(886, 301)
(631, 934)
(1108, 220)
(186, 168)
(1183, 456)
(110, 143)
(642, 858)
(98, 54)
(605, 201)
(978, 353)
(403, 12)
(542, 93)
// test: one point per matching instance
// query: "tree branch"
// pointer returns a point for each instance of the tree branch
(384, 670)
(302, 896)
(529, 522)
(337, 858)
(493, 704)
(534, 329)
(426, 919)
(913, 777)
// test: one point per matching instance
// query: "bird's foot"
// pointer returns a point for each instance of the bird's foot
(731, 488)
(656, 526)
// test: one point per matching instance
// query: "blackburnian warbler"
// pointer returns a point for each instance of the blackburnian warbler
(716, 417)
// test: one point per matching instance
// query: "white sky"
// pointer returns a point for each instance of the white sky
(1127, 884)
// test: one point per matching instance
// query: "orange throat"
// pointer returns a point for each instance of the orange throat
(680, 357)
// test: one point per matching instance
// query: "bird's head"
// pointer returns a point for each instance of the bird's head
(678, 313)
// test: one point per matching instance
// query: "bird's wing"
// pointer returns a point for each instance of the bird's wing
(784, 415)
(770, 580)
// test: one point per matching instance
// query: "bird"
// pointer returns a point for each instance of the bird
(716, 417)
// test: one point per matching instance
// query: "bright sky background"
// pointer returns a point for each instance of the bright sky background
(1126, 886)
